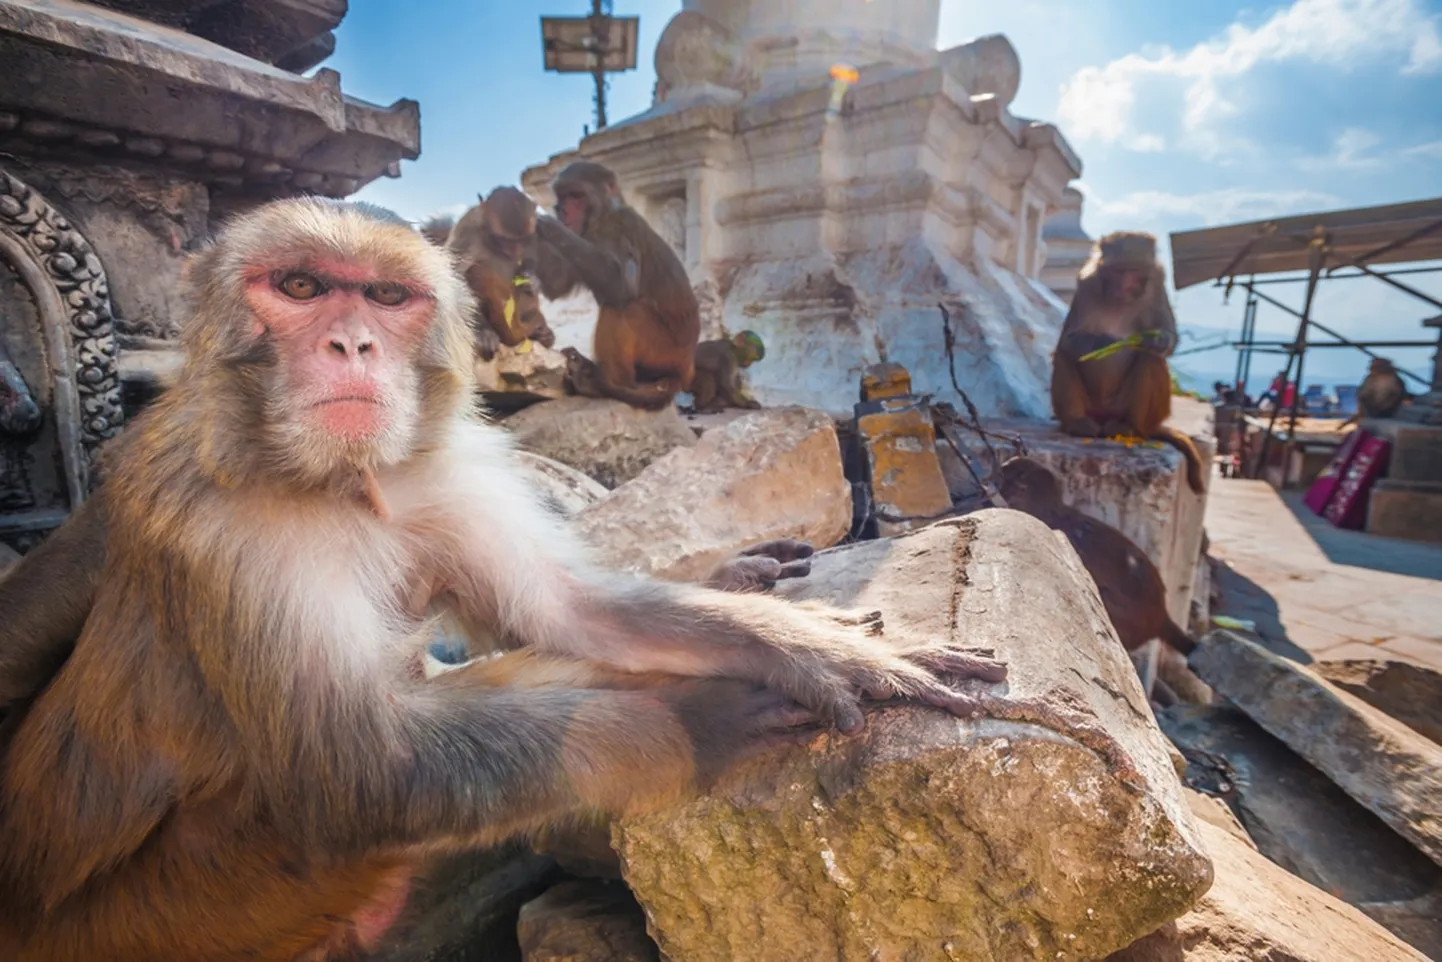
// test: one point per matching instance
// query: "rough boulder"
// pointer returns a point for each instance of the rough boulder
(610, 441)
(1052, 827)
(769, 474)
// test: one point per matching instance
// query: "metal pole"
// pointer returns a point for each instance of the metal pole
(1314, 272)
(599, 31)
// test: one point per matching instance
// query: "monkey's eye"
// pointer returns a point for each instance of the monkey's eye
(387, 293)
(301, 287)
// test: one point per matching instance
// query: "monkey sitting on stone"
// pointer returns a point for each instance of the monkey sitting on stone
(235, 760)
(718, 382)
(1382, 392)
(1129, 583)
(1120, 297)
(495, 246)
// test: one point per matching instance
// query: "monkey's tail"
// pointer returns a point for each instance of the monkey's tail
(1189, 451)
(1173, 635)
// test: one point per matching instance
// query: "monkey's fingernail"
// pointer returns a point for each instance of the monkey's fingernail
(850, 721)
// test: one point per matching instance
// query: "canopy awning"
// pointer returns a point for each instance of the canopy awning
(1371, 235)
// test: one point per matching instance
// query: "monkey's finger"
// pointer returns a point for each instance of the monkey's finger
(796, 569)
(957, 703)
(856, 618)
(782, 549)
(959, 664)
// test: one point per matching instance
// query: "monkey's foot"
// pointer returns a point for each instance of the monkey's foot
(1082, 428)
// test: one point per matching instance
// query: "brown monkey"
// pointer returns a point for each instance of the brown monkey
(235, 761)
(1381, 393)
(495, 244)
(717, 383)
(1131, 588)
(438, 229)
(1121, 292)
(645, 346)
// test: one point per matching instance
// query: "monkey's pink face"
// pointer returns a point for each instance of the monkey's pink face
(572, 207)
(345, 340)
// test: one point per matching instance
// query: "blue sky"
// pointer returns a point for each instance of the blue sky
(1185, 115)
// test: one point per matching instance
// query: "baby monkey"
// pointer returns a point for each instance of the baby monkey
(718, 382)
(236, 759)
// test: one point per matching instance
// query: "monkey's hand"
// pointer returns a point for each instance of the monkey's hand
(1157, 342)
(544, 336)
(488, 342)
(728, 721)
(1079, 343)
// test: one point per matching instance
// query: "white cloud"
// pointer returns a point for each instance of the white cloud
(1350, 151)
(1205, 209)
(1098, 102)
(1429, 151)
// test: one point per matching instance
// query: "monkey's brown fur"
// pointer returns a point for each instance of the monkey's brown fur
(438, 229)
(235, 761)
(1121, 290)
(649, 320)
(1381, 393)
(718, 383)
(1131, 588)
(495, 245)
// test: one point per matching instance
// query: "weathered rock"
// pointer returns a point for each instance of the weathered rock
(610, 441)
(1380, 762)
(770, 474)
(8, 556)
(585, 921)
(1054, 827)
(1409, 693)
(510, 380)
(564, 489)
(1258, 911)
(1300, 820)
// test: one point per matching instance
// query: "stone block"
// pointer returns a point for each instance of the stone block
(1053, 827)
(898, 447)
(1416, 449)
(885, 381)
(513, 380)
(1399, 509)
(1297, 818)
(1386, 766)
(1256, 910)
(771, 474)
(1409, 693)
(610, 441)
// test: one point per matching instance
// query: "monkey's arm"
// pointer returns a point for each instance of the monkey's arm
(45, 599)
(612, 277)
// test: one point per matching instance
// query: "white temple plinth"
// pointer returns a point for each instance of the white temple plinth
(835, 234)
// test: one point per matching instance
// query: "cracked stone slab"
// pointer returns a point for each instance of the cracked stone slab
(1386, 766)
(1052, 827)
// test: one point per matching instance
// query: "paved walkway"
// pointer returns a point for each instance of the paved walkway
(1319, 593)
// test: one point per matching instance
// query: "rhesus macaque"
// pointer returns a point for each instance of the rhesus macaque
(1381, 393)
(1121, 292)
(1130, 585)
(645, 346)
(235, 761)
(495, 245)
(718, 383)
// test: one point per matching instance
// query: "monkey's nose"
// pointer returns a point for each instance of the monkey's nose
(350, 346)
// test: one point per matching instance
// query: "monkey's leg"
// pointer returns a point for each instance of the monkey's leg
(1147, 395)
(704, 393)
(617, 350)
(1069, 398)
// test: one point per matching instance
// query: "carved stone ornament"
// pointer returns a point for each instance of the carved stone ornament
(51, 254)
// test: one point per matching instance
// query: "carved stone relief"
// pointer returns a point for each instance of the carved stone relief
(671, 223)
(57, 347)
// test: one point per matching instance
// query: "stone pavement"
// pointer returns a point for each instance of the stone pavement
(1317, 592)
